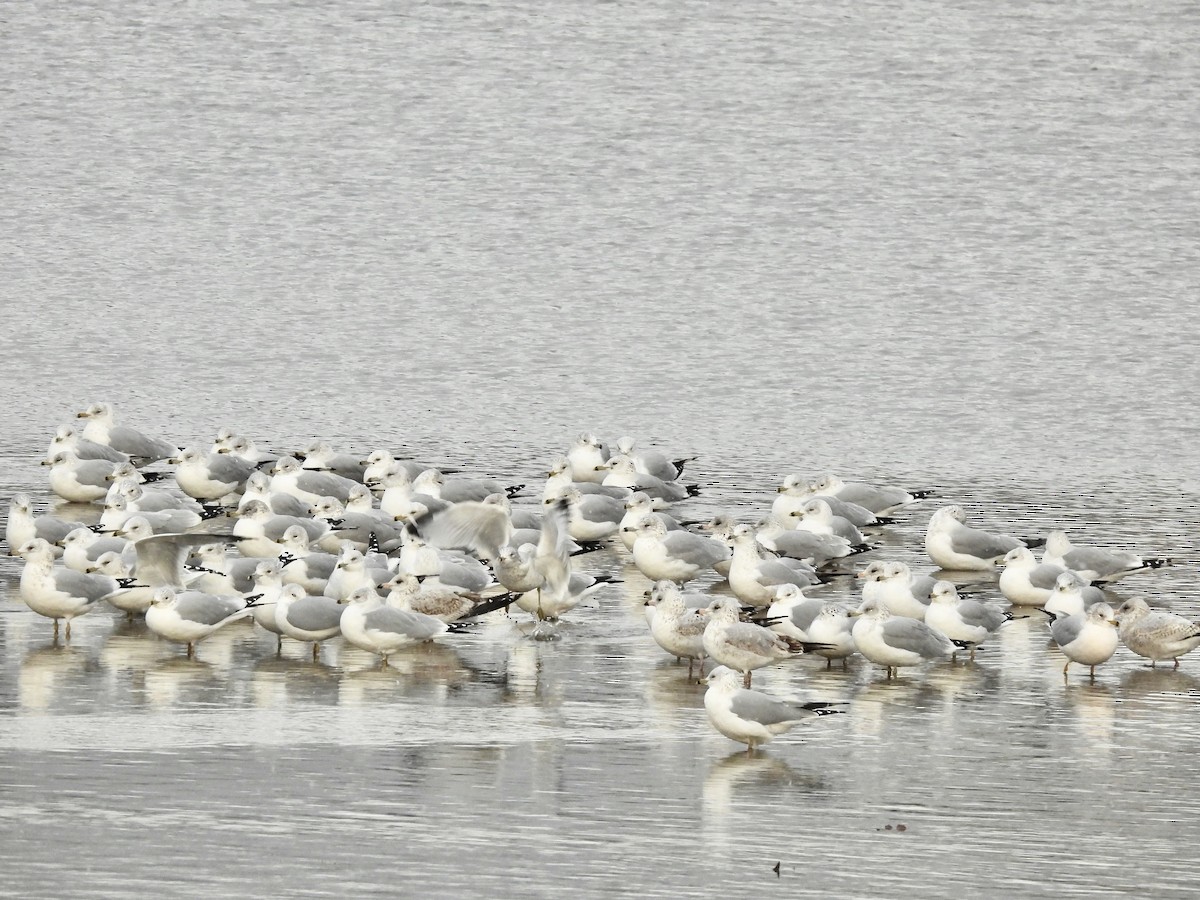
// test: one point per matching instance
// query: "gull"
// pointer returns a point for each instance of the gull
(188, 617)
(380, 462)
(480, 527)
(1155, 633)
(158, 560)
(268, 587)
(210, 476)
(674, 555)
(879, 499)
(59, 593)
(303, 566)
(260, 529)
(774, 534)
(637, 506)
(307, 617)
(441, 601)
(452, 568)
(796, 491)
(79, 480)
(653, 462)
(399, 500)
(82, 547)
(289, 477)
(102, 428)
(322, 457)
(586, 456)
(24, 526)
(753, 577)
(674, 627)
(831, 633)
(559, 481)
(1088, 638)
(902, 591)
(1095, 563)
(621, 472)
(817, 516)
(139, 498)
(460, 489)
(353, 571)
(134, 599)
(753, 717)
(258, 487)
(242, 447)
(67, 438)
(362, 525)
(372, 625)
(962, 618)
(955, 546)
(514, 568)
(895, 641)
(1026, 582)
(743, 646)
(591, 517)
(221, 572)
(793, 611)
(117, 512)
(1071, 594)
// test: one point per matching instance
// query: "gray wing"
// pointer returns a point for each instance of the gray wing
(598, 508)
(80, 584)
(916, 637)
(758, 707)
(324, 484)
(921, 587)
(1102, 562)
(132, 442)
(982, 544)
(207, 609)
(94, 472)
(752, 638)
(803, 614)
(980, 615)
(772, 571)
(314, 612)
(477, 527)
(225, 468)
(1045, 576)
(1163, 626)
(1066, 630)
(694, 548)
(400, 621)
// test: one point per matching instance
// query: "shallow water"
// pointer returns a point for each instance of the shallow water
(951, 247)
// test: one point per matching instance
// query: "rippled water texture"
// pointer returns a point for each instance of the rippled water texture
(951, 246)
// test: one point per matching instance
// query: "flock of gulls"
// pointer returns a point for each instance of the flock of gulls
(386, 553)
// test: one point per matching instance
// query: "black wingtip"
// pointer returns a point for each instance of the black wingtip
(923, 493)
(1034, 542)
(151, 477)
(211, 512)
(693, 490)
(513, 490)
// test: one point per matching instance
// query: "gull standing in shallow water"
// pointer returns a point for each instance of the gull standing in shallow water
(674, 627)
(961, 618)
(372, 625)
(1095, 563)
(743, 646)
(1088, 639)
(59, 593)
(1155, 633)
(895, 641)
(753, 717)
(188, 617)
(674, 555)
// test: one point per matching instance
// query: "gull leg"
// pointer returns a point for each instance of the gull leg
(316, 650)
(191, 651)
(1067, 666)
(56, 627)
(746, 679)
(68, 629)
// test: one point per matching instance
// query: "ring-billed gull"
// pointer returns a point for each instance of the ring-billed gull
(289, 477)
(817, 516)
(67, 438)
(674, 555)
(754, 576)
(796, 491)
(620, 471)
(441, 601)
(321, 456)
(774, 534)
(586, 456)
(637, 507)
(102, 428)
(897, 587)
(117, 513)
(1155, 633)
(1026, 582)
(591, 517)
(23, 525)
(956, 546)
(1095, 563)
(962, 618)
(740, 645)
(82, 547)
(880, 499)
(59, 593)
(753, 717)
(260, 529)
(831, 633)
(674, 627)
(559, 481)
(258, 488)
(1071, 594)
(210, 476)
(653, 462)
(371, 624)
(188, 617)
(791, 613)
(480, 527)
(895, 641)
(1089, 638)
(79, 480)
(354, 570)
(307, 617)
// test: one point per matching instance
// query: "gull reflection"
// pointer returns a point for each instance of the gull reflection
(47, 674)
(1094, 704)
(751, 782)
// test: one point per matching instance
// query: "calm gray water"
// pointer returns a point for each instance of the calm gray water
(946, 245)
